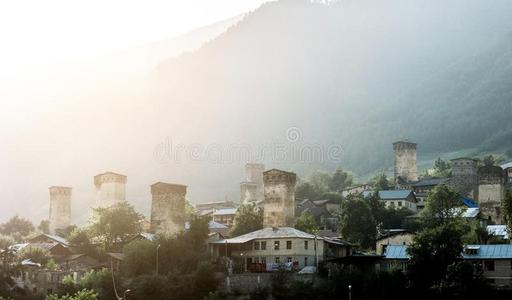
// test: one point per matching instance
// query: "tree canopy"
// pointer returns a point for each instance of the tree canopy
(248, 218)
(17, 226)
(357, 223)
(115, 224)
(307, 223)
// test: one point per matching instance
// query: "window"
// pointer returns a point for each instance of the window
(263, 245)
(277, 260)
(263, 260)
(305, 261)
(276, 245)
(305, 245)
(288, 245)
(399, 203)
(392, 203)
(256, 260)
(489, 265)
(256, 245)
(289, 259)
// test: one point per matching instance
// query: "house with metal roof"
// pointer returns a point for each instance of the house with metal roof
(399, 199)
(269, 249)
(495, 261)
(499, 231)
(225, 216)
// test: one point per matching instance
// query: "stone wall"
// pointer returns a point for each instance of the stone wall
(252, 189)
(405, 161)
(168, 207)
(464, 178)
(279, 204)
(110, 189)
(60, 208)
(491, 191)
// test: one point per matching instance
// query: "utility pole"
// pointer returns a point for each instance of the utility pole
(157, 248)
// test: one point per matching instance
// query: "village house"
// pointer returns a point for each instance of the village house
(494, 260)
(224, 216)
(393, 237)
(397, 199)
(269, 249)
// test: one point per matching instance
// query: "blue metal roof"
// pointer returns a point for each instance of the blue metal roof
(396, 252)
(490, 252)
(394, 194)
(469, 202)
(503, 251)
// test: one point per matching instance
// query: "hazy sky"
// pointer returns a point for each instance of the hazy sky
(47, 127)
(38, 32)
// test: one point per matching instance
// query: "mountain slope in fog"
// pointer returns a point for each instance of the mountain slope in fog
(360, 74)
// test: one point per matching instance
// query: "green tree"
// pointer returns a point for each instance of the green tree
(492, 160)
(44, 226)
(152, 287)
(17, 225)
(507, 210)
(307, 223)
(66, 232)
(432, 251)
(441, 168)
(6, 241)
(80, 295)
(99, 281)
(306, 190)
(357, 223)
(339, 181)
(35, 254)
(140, 258)
(380, 182)
(116, 224)
(443, 205)
(248, 218)
(80, 238)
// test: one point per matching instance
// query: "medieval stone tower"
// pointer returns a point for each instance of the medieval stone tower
(464, 178)
(168, 207)
(60, 208)
(279, 204)
(491, 191)
(405, 162)
(251, 190)
(110, 189)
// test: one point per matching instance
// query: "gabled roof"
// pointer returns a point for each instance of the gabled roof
(498, 230)
(54, 238)
(394, 194)
(471, 212)
(216, 225)
(268, 233)
(224, 211)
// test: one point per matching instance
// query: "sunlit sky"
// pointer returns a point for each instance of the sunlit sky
(35, 32)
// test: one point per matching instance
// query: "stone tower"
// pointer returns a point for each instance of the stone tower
(251, 190)
(168, 207)
(60, 208)
(464, 178)
(405, 162)
(491, 191)
(279, 204)
(110, 189)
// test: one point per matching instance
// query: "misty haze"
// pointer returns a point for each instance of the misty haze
(255, 149)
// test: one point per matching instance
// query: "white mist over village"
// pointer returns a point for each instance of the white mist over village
(270, 150)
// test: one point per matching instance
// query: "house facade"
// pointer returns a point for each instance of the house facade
(269, 249)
